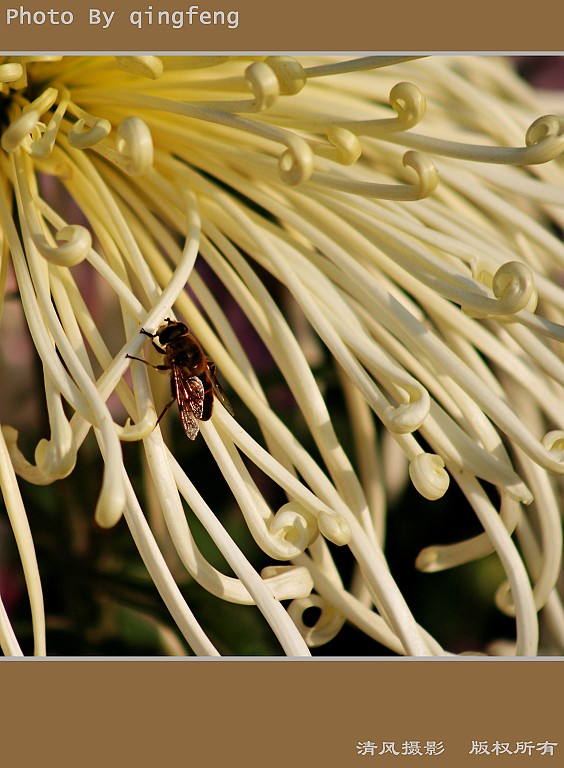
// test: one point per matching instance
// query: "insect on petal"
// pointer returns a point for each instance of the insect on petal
(190, 398)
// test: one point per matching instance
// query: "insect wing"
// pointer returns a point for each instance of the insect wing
(222, 397)
(217, 388)
(190, 397)
(189, 423)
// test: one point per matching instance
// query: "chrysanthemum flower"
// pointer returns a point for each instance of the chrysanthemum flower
(370, 251)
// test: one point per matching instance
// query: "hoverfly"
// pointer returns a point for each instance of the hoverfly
(193, 383)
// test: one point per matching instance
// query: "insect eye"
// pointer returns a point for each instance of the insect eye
(166, 336)
(171, 332)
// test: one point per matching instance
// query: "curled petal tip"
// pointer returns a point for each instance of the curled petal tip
(296, 164)
(514, 287)
(504, 599)
(544, 127)
(264, 85)
(150, 67)
(88, 131)
(334, 527)
(428, 560)
(409, 103)
(74, 244)
(134, 147)
(408, 417)
(288, 582)
(429, 476)
(291, 530)
(140, 430)
(19, 130)
(544, 140)
(10, 72)
(326, 627)
(289, 72)
(553, 442)
(347, 146)
(428, 176)
(56, 459)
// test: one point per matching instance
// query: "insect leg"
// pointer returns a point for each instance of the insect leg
(157, 367)
(165, 409)
(153, 342)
